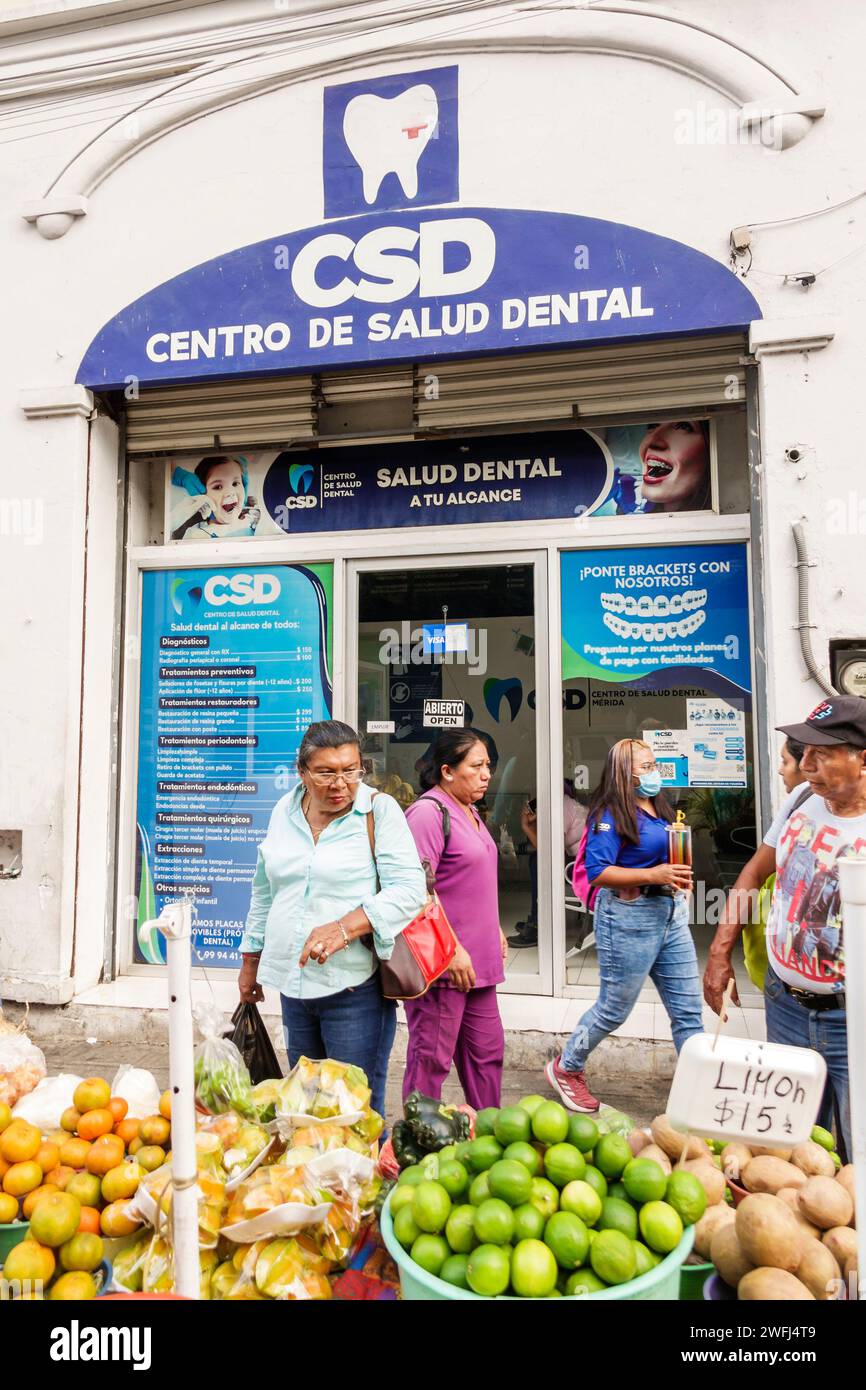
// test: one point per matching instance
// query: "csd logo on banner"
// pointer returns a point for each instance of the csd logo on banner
(241, 589)
(510, 690)
(391, 142)
(185, 596)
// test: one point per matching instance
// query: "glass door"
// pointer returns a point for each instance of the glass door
(466, 639)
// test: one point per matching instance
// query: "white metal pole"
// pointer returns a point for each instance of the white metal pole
(852, 882)
(175, 923)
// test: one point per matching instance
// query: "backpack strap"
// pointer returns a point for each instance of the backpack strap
(802, 798)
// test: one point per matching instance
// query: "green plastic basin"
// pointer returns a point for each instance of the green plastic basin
(11, 1235)
(416, 1285)
(692, 1280)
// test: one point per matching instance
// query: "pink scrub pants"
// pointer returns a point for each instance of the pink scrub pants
(446, 1026)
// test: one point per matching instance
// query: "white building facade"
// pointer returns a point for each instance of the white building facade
(520, 339)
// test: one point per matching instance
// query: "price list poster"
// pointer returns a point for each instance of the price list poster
(235, 664)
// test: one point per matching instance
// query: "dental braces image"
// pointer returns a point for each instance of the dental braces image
(659, 607)
(655, 632)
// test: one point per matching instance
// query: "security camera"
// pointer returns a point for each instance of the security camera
(794, 453)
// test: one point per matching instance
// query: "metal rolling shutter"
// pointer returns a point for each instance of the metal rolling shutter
(222, 415)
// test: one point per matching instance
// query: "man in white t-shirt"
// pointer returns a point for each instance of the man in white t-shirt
(804, 992)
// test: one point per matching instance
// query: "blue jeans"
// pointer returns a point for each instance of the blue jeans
(645, 937)
(824, 1030)
(355, 1025)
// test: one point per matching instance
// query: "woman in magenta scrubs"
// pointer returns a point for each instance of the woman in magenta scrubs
(457, 1021)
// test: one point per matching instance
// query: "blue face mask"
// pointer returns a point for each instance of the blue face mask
(650, 783)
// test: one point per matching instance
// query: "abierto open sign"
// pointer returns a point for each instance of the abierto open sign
(735, 1088)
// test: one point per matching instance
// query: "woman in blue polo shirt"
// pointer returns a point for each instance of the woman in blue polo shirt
(641, 915)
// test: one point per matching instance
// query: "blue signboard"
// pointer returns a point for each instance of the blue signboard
(657, 614)
(517, 477)
(235, 665)
(415, 286)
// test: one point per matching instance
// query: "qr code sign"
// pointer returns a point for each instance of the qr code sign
(667, 771)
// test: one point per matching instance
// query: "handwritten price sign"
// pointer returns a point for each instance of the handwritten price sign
(763, 1093)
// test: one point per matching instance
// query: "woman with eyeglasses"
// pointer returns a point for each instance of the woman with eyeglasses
(317, 890)
(641, 919)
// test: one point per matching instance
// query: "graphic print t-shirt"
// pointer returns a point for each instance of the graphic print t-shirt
(804, 928)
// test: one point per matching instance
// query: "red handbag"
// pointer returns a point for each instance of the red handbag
(423, 950)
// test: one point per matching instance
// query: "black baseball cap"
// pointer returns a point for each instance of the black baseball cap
(838, 719)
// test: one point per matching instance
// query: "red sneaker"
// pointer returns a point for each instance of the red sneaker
(572, 1088)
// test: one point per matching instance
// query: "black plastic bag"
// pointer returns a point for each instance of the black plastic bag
(253, 1042)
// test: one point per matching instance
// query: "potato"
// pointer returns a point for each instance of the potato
(814, 1161)
(673, 1142)
(768, 1232)
(841, 1241)
(727, 1255)
(825, 1203)
(761, 1151)
(637, 1140)
(791, 1197)
(710, 1178)
(711, 1221)
(767, 1174)
(845, 1176)
(818, 1270)
(772, 1285)
(658, 1156)
(734, 1159)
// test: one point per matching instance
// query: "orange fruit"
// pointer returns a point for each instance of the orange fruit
(83, 1251)
(4, 1168)
(20, 1142)
(5, 1116)
(87, 1187)
(121, 1181)
(74, 1287)
(155, 1129)
(119, 1108)
(150, 1157)
(48, 1156)
(127, 1130)
(73, 1153)
(8, 1208)
(29, 1260)
(55, 1219)
(89, 1220)
(59, 1176)
(35, 1196)
(22, 1178)
(92, 1094)
(69, 1119)
(104, 1154)
(95, 1123)
(136, 1144)
(165, 1105)
(115, 1220)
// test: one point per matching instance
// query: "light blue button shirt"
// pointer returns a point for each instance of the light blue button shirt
(299, 885)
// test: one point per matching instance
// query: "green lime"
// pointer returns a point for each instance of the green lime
(612, 1154)
(563, 1163)
(406, 1228)
(494, 1222)
(837, 1162)
(402, 1196)
(582, 1132)
(510, 1181)
(430, 1252)
(617, 1189)
(555, 1293)
(453, 1177)
(449, 1151)
(526, 1154)
(460, 1229)
(550, 1122)
(592, 1232)
(685, 1194)
(582, 1200)
(453, 1271)
(488, 1270)
(596, 1180)
(660, 1227)
(461, 1153)
(533, 1269)
(612, 1256)
(410, 1176)
(645, 1181)
(617, 1215)
(567, 1237)
(479, 1189)
(582, 1282)
(485, 1120)
(528, 1222)
(512, 1126)
(824, 1138)
(431, 1206)
(531, 1103)
(544, 1196)
(483, 1153)
(645, 1258)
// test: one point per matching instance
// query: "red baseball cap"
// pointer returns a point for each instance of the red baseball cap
(838, 719)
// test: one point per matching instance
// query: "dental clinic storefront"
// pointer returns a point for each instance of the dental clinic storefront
(436, 446)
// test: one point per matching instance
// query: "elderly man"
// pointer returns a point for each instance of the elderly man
(804, 990)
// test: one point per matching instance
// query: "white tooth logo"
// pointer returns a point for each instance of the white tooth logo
(390, 135)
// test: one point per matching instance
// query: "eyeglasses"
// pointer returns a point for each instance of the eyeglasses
(647, 767)
(330, 779)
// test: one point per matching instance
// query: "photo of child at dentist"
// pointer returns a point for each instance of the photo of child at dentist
(212, 501)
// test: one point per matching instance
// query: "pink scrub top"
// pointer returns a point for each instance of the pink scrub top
(466, 879)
